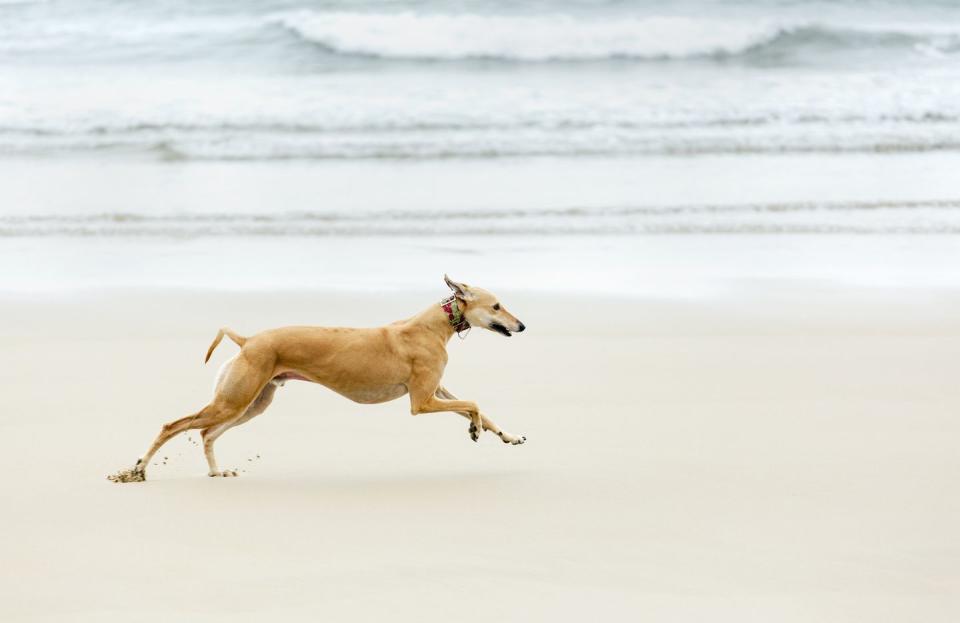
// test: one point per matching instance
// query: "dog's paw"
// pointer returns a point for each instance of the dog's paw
(475, 432)
(513, 440)
(227, 473)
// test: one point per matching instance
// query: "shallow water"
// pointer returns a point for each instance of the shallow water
(335, 144)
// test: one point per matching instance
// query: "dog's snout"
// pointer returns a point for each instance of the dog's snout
(520, 327)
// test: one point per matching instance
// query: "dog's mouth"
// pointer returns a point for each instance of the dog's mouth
(499, 328)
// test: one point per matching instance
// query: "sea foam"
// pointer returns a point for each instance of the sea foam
(439, 37)
(526, 38)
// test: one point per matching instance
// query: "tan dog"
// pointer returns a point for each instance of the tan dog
(365, 365)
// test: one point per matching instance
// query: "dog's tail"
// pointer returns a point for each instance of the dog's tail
(239, 340)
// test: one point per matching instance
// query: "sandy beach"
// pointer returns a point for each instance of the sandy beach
(732, 230)
(778, 454)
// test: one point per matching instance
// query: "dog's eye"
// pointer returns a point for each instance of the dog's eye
(496, 307)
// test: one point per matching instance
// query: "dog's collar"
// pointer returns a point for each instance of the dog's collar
(454, 315)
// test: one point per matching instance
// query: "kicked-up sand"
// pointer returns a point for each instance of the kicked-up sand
(772, 455)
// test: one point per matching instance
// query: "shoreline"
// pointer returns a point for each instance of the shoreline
(639, 267)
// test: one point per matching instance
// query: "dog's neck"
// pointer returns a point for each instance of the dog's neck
(436, 320)
(451, 307)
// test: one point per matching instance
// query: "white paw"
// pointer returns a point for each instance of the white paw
(475, 432)
(227, 473)
(513, 440)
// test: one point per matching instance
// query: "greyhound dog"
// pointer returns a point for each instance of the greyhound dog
(365, 365)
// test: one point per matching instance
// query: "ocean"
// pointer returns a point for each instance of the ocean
(564, 126)
(182, 80)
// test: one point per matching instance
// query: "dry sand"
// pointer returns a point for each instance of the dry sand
(773, 455)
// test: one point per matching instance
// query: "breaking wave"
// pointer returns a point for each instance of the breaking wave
(866, 217)
(438, 37)
(366, 138)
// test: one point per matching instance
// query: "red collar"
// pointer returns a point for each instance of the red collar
(454, 315)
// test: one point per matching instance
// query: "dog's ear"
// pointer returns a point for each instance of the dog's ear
(460, 290)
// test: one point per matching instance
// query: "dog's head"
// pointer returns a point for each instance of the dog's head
(483, 309)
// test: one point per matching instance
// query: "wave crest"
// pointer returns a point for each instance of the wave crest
(459, 37)
(853, 217)
(437, 37)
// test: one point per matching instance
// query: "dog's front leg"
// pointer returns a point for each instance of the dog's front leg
(423, 399)
(488, 424)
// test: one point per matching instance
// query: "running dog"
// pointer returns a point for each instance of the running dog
(367, 366)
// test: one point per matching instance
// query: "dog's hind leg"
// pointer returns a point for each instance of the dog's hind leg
(236, 392)
(211, 415)
(211, 434)
(488, 424)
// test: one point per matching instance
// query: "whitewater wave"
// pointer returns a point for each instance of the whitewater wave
(436, 37)
(522, 38)
(416, 139)
(865, 217)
